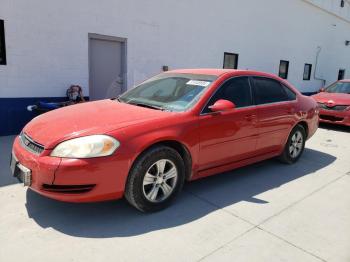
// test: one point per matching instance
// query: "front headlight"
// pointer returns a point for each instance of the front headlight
(86, 147)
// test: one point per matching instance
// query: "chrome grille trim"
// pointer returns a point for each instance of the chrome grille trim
(30, 145)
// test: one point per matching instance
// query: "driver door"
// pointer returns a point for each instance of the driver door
(229, 136)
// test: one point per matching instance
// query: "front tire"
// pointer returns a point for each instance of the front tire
(155, 179)
(295, 145)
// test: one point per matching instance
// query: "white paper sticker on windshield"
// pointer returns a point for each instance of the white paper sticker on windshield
(198, 83)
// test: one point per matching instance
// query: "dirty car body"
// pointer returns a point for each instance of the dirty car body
(208, 138)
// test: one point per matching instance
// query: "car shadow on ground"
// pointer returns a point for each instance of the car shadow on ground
(118, 219)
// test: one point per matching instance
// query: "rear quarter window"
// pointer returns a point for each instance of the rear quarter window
(290, 94)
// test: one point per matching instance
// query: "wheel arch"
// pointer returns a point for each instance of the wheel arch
(302, 123)
(179, 147)
(305, 125)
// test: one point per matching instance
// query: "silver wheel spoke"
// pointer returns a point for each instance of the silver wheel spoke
(170, 174)
(293, 137)
(291, 148)
(161, 166)
(153, 193)
(299, 137)
(149, 179)
(166, 189)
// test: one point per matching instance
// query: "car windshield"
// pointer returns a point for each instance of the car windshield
(169, 91)
(339, 87)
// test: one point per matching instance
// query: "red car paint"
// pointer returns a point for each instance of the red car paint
(215, 142)
(334, 107)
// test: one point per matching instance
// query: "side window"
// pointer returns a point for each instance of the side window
(236, 90)
(268, 91)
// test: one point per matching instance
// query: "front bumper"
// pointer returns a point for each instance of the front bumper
(335, 117)
(75, 180)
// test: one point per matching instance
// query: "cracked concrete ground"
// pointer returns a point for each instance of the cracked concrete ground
(264, 212)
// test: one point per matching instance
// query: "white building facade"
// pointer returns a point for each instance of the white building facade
(114, 44)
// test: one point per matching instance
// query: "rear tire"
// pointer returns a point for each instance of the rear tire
(295, 145)
(155, 179)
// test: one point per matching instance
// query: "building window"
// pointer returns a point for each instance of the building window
(2, 44)
(342, 3)
(341, 74)
(283, 70)
(307, 72)
(230, 61)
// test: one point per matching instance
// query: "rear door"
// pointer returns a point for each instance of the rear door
(229, 136)
(275, 110)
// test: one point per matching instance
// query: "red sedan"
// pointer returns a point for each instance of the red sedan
(334, 103)
(178, 126)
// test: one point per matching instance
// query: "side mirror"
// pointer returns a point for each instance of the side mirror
(222, 105)
(322, 90)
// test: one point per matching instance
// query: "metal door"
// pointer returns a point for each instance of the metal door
(106, 58)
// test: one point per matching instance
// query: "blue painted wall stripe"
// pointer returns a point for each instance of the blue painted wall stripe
(14, 115)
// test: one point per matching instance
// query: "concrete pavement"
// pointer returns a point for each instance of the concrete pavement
(264, 212)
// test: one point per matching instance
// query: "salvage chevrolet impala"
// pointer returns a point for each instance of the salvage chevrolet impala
(178, 126)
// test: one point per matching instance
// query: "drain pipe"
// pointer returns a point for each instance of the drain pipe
(319, 49)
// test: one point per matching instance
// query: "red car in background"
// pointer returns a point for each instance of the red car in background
(180, 125)
(334, 103)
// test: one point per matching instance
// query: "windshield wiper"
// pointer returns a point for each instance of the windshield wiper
(147, 105)
(117, 98)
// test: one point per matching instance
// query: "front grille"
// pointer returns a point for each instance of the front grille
(331, 118)
(68, 189)
(335, 108)
(30, 145)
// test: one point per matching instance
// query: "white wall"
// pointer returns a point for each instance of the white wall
(47, 41)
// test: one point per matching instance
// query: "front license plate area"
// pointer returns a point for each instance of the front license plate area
(22, 173)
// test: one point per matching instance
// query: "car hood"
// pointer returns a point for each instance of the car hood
(87, 119)
(333, 98)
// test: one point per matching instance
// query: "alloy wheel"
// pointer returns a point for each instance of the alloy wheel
(160, 180)
(296, 144)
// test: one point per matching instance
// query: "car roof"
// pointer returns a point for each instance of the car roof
(220, 72)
